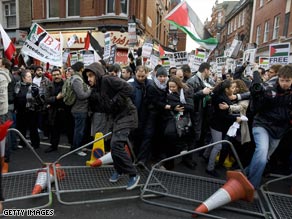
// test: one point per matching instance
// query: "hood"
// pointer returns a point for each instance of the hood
(96, 68)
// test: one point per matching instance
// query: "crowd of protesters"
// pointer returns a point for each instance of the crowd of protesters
(161, 112)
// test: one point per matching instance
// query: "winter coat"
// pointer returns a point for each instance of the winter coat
(54, 105)
(274, 107)
(82, 92)
(4, 81)
(27, 97)
(140, 98)
(112, 95)
(221, 120)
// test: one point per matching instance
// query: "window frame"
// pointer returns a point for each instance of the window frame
(128, 5)
(276, 28)
(48, 10)
(6, 16)
(258, 34)
(266, 31)
(67, 10)
(114, 6)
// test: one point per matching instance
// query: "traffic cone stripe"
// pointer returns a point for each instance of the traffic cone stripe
(237, 187)
(220, 197)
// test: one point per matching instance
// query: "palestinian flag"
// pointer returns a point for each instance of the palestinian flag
(8, 46)
(92, 44)
(200, 53)
(263, 61)
(185, 19)
(279, 50)
(161, 51)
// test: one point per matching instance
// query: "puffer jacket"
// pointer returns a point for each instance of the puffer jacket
(112, 95)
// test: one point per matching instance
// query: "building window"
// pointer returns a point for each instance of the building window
(243, 17)
(53, 8)
(276, 27)
(261, 3)
(10, 14)
(235, 24)
(110, 6)
(258, 37)
(267, 29)
(158, 24)
(239, 19)
(229, 26)
(124, 6)
(73, 8)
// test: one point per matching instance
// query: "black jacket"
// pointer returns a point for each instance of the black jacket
(221, 120)
(274, 108)
(54, 105)
(112, 95)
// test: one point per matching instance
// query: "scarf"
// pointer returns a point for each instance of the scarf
(161, 86)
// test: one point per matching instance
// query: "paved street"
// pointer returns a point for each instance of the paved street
(23, 159)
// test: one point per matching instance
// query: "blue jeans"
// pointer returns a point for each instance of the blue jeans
(79, 128)
(265, 146)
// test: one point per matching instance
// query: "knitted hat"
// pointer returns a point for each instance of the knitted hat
(161, 71)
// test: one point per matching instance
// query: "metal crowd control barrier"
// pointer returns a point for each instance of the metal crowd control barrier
(184, 192)
(18, 186)
(83, 184)
(278, 195)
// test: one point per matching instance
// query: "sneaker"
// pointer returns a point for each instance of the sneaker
(133, 182)
(81, 154)
(115, 177)
(19, 146)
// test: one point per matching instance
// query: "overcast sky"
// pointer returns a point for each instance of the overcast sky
(203, 8)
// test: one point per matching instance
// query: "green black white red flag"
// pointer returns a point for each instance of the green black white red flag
(184, 18)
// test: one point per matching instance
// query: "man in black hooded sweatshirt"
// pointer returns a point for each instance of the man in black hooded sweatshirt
(111, 95)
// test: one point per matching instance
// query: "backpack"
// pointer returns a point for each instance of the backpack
(69, 96)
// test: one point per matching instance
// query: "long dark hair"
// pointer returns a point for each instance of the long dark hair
(220, 88)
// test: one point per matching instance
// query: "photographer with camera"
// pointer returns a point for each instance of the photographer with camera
(272, 108)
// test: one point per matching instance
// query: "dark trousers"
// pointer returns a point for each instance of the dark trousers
(122, 161)
(59, 125)
(145, 149)
(28, 121)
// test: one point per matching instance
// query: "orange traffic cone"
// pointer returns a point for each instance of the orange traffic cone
(107, 158)
(4, 166)
(237, 187)
(41, 182)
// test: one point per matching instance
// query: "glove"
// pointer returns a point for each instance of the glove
(34, 90)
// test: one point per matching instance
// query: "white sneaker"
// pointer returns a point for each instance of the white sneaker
(81, 153)
(20, 146)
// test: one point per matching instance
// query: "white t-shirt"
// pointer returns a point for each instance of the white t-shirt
(37, 81)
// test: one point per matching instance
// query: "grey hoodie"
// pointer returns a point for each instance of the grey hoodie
(4, 81)
(82, 92)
